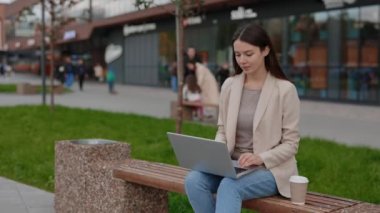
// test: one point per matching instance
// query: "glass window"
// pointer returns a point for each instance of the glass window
(320, 25)
(369, 34)
(297, 53)
(274, 27)
(317, 50)
(167, 51)
(351, 23)
(349, 76)
(334, 52)
(369, 53)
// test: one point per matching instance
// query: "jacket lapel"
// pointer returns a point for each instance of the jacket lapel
(265, 96)
(233, 109)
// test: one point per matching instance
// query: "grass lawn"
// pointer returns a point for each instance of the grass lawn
(12, 88)
(8, 88)
(28, 134)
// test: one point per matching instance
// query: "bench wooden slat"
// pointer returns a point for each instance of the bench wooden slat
(324, 205)
(132, 174)
(330, 202)
(154, 170)
(310, 205)
(153, 177)
(277, 204)
(171, 178)
(329, 197)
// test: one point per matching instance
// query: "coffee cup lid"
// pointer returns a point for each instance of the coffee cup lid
(298, 179)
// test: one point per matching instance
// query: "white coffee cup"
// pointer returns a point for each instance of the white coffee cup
(298, 189)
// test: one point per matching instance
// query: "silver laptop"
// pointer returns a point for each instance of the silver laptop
(206, 155)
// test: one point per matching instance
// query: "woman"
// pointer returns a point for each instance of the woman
(191, 92)
(258, 120)
(207, 82)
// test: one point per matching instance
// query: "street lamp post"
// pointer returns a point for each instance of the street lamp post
(42, 65)
(90, 11)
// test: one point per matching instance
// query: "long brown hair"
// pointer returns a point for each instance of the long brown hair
(257, 36)
(191, 82)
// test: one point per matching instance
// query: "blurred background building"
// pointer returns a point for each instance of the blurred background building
(329, 48)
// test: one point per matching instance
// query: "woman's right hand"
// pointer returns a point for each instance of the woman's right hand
(249, 159)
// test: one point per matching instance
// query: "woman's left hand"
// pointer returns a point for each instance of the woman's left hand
(248, 159)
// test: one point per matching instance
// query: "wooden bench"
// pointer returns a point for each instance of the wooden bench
(26, 89)
(170, 178)
(188, 107)
(30, 89)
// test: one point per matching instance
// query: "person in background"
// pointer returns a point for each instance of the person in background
(61, 72)
(81, 70)
(206, 80)
(192, 93)
(191, 56)
(258, 120)
(110, 78)
(8, 70)
(173, 76)
(2, 70)
(69, 72)
(98, 70)
(222, 74)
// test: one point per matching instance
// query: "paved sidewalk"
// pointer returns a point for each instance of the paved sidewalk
(20, 198)
(356, 125)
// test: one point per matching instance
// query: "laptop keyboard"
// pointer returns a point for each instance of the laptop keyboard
(238, 170)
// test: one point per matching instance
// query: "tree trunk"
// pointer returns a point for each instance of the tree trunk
(179, 38)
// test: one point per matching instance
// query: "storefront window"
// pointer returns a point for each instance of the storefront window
(369, 53)
(297, 53)
(223, 43)
(349, 76)
(351, 23)
(334, 52)
(274, 27)
(317, 53)
(167, 50)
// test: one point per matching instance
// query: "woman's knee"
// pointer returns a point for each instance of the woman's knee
(228, 185)
(192, 179)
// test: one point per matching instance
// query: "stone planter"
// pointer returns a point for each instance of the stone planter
(83, 176)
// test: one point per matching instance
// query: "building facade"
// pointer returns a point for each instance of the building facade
(330, 52)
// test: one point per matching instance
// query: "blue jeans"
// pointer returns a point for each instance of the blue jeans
(173, 83)
(230, 193)
(69, 80)
(110, 86)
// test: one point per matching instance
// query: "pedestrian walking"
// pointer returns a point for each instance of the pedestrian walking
(110, 77)
(81, 71)
(69, 72)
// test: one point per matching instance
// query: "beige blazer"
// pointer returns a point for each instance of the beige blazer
(275, 125)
